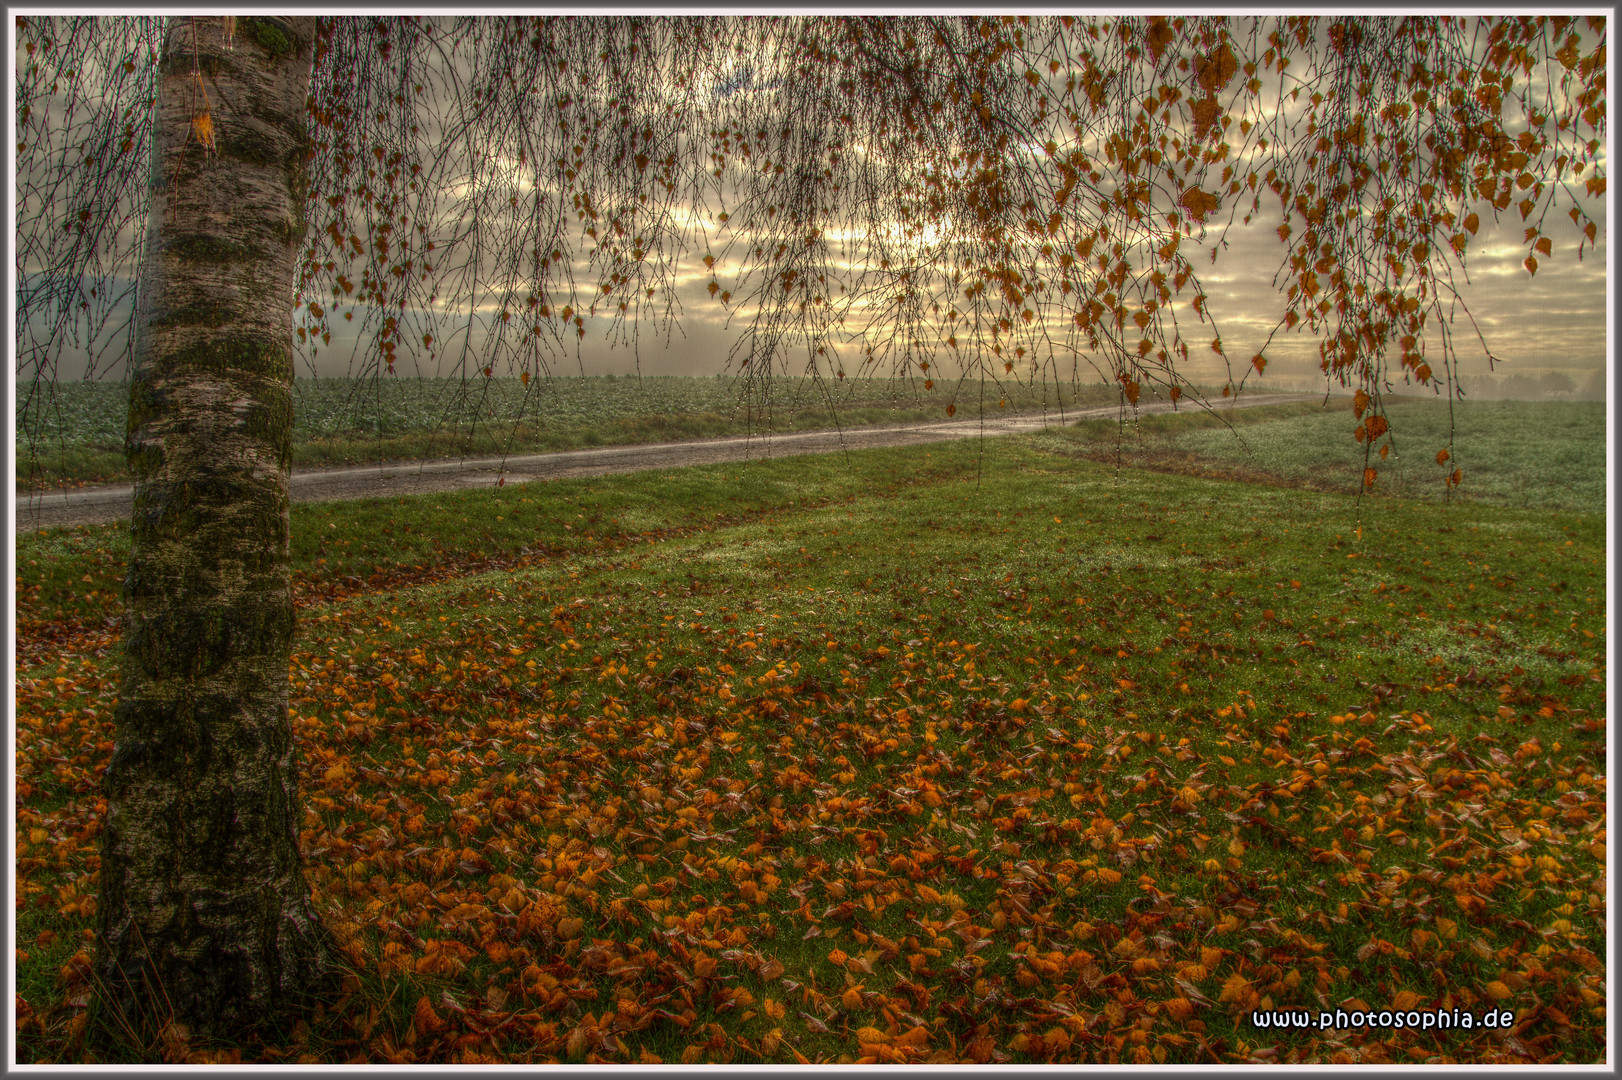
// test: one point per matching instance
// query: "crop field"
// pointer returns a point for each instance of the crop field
(1512, 453)
(980, 753)
(74, 432)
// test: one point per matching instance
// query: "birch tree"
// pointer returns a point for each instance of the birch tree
(1002, 197)
(202, 901)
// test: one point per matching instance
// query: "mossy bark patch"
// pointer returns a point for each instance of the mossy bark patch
(245, 353)
(209, 248)
(269, 34)
(195, 315)
(244, 142)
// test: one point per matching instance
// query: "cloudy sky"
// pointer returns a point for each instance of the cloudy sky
(1555, 321)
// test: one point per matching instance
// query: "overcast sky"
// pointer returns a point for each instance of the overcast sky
(1553, 321)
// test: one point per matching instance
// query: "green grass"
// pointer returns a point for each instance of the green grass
(1153, 726)
(1530, 454)
(73, 433)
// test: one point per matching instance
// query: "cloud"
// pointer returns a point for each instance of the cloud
(1559, 312)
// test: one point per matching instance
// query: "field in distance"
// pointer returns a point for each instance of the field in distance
(1533, 454)
(1548, 454)
(77, 435)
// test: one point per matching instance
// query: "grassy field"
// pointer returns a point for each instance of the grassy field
(860, 758)
(1529, 454)
(77, 435)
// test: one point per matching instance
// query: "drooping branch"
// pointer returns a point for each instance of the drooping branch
(1012, 196)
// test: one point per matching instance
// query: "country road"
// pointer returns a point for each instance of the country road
(99, 505)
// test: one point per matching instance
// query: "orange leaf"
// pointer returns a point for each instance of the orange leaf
(1442, 456)
(426, 1020)
(524, 378)
(1206, 113)
(1472, 223)
(202, 126)
(951, 410)
(1235, 988)
(1199, 203)
(1160, 36)
(1368, 478)
(487, 372)
(1217, 69)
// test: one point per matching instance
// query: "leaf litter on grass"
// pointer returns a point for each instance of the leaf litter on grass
(913, 775)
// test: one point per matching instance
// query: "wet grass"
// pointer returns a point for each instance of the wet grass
(1530, 454)
(856, 758)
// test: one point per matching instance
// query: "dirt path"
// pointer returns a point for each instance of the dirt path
(98, 505)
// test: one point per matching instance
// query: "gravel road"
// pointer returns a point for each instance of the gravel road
(98, 505)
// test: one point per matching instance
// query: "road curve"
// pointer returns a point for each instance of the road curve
(99, 505)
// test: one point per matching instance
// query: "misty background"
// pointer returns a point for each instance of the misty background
(1517, 335)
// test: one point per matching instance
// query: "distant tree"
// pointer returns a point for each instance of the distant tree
(1593, 388)
(1514, 386)
(1557, 384)
(1018, 193)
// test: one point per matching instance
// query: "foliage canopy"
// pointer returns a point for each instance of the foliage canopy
(1020, 194)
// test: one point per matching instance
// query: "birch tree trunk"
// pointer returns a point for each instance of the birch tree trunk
(205, 915)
